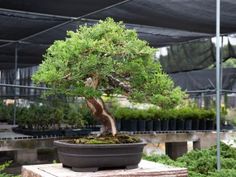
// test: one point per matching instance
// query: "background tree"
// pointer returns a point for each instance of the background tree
(106, 58)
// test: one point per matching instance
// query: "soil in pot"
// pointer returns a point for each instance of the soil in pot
(106, 139)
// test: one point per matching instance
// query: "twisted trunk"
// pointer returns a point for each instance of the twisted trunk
(98, 108)
(99, 111)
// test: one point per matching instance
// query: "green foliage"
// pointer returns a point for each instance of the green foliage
(162, 114)
(52, 115)
(3, 167)
(229, 63)
(101, 51)
(163, 159)
(77, 116)
(202, 163)
(224, 173)
(6, 112)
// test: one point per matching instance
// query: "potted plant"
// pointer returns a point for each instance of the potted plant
(164, 116)
(141, 120)
(102, 59)
(153, 114)
(180, 121)
(195, 117)
(172, 119)
(210, 116)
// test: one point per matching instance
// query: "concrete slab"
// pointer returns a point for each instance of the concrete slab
(145, 169)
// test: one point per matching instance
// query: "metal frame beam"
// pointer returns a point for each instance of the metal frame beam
(16, 60)
(218, 82)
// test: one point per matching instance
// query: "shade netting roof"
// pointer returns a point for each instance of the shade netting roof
(36, 24)
(204, 79)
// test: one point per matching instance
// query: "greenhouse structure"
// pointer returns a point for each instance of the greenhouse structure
(160, 74)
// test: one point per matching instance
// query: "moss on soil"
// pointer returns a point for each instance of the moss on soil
(107, 139)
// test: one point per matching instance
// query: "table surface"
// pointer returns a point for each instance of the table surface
(146, 168)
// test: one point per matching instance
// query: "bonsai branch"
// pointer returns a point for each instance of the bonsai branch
(113, 81)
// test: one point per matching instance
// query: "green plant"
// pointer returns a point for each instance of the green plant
(108, 59)
(163, 114)
(6, 112)
(76, 116)
(202, 163)
(163, 159)
(3, 167)
(49, 115)
(224, 173)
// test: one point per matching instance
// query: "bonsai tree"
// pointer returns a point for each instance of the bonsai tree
(102, 59)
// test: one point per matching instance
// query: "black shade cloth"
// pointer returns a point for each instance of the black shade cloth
(24, 75)
(196, 55)
(71, 8)
(189, 81)
(188, 15)
(204, 79)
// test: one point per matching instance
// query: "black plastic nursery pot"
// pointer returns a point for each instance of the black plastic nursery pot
(77, 132)
(141, 125)
(62, 132)
(39, 133)
(164, 125)
(128, 125)
(125, 125)
(118, 124)
(180, 124)
(172, 124)
(195, 124)
(92, 157)
(156, 125)
(133, 125)
(202, 124)
(210, 125)
(149, 125)
(188, 124)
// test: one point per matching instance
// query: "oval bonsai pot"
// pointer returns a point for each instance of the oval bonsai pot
(91, 157)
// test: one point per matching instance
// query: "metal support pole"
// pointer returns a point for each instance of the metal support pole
(24, 86)
(16, 60)
(202, 100)
(218, 79)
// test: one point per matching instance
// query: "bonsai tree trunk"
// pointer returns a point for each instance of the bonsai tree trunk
(99, 111)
